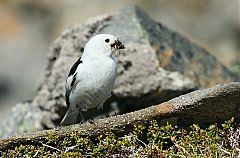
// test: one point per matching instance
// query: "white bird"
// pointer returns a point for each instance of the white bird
(92, 77)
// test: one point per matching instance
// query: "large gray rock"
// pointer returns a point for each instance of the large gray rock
(157, 65)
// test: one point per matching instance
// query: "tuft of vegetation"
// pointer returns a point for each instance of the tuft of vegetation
(150, 140)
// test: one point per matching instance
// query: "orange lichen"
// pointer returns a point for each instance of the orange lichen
(166, 56)
(164, 108)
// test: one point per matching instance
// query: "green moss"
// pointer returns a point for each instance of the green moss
(152, 140)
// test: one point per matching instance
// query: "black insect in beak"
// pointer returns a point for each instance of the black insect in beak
(117, 45)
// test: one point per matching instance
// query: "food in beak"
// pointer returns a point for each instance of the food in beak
(117, 45)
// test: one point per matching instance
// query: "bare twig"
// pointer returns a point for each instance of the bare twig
(71, 147)
(51, 147)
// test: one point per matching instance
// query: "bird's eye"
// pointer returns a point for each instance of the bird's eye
(107, 40)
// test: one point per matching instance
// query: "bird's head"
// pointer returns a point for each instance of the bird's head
(103, 45)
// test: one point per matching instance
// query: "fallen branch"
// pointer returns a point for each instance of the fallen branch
(214, 104)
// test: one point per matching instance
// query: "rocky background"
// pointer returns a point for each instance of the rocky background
(158, 64)
(28, 27)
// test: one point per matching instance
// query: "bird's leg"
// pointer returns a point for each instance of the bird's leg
(100, 107)
(82, 117)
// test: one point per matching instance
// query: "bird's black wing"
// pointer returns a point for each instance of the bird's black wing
(71, 74)
(74, 67)
(67, 99)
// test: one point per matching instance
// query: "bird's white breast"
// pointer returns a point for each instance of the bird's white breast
(95, 81)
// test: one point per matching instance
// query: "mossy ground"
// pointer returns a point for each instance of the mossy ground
(145, 141)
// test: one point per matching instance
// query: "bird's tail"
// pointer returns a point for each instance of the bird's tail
(69, 118)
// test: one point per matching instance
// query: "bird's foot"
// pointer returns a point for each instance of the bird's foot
(107, 115)
(91, 121)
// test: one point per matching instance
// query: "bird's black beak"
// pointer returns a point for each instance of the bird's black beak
(117, 45)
